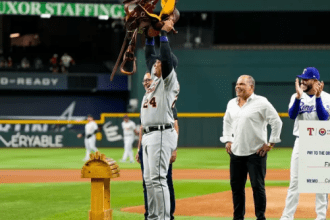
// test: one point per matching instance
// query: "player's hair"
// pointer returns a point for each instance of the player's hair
(251, 81)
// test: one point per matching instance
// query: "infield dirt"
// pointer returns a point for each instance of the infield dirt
(42, 176)
(218, 204)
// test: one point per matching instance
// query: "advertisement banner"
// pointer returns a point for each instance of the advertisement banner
(314, 157)
(24, 120)
(33, 81)
(49, 136)
(61, 9)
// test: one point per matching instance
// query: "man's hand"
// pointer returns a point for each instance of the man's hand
(137, 157)
(79, 135)
(318, 88)
(173, 157)
(168, 25)
(228, 147)
(264, 149)
(299, 90)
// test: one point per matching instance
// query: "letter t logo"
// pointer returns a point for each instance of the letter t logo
(310, 131)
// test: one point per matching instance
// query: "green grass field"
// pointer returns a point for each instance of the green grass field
(71, 201)
(71, 158)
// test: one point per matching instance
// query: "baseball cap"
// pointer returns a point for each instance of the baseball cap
(125, 116)
(310, 73)
(89, 115)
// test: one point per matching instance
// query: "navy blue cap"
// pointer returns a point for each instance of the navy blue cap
(310, 73)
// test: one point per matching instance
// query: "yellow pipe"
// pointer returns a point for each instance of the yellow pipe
(118, 115)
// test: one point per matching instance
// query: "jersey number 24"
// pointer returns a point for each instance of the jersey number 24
(152, 102)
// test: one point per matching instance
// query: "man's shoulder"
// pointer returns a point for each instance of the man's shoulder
(232, 101)
(294, 95)
(260, 98)
(325, 94)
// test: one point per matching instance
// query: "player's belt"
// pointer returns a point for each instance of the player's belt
(157, 128)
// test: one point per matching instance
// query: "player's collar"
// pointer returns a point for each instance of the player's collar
(251, 96)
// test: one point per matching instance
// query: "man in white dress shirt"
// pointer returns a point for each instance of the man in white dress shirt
(245, 135)
(129, 130)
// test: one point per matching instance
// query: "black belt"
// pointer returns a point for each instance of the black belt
(157, 128)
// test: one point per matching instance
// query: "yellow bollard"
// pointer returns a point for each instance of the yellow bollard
(100, 169)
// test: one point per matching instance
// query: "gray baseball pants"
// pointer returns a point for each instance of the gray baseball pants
(157, 150)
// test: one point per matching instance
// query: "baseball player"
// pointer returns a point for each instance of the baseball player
(160, 138)
(139, 159)
(309, 102)
(91, 129)
(128, 127)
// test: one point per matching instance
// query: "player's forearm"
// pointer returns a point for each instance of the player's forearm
(140, 137)
(176, 127)
(149, 52)
(165, 51)
(320, 110)
(294, 110)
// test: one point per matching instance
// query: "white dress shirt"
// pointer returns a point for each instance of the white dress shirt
(246, 126)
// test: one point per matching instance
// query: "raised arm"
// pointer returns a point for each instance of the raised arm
(165, 49)
(295, 101)
(294, 107)
(150, 53)
(139, 144)
(322, 113)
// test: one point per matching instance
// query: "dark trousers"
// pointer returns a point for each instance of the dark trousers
(170, 188)
(240, 166)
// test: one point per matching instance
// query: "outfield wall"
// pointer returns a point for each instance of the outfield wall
(195, 131)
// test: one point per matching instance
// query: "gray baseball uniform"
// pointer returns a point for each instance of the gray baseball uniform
(160, 138)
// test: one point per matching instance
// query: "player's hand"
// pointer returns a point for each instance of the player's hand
(299, 90)
(264, 149)
(168, 25)
(228, 147)
(173, 157)
(79, 135)
(137, 157)
(318, 87)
